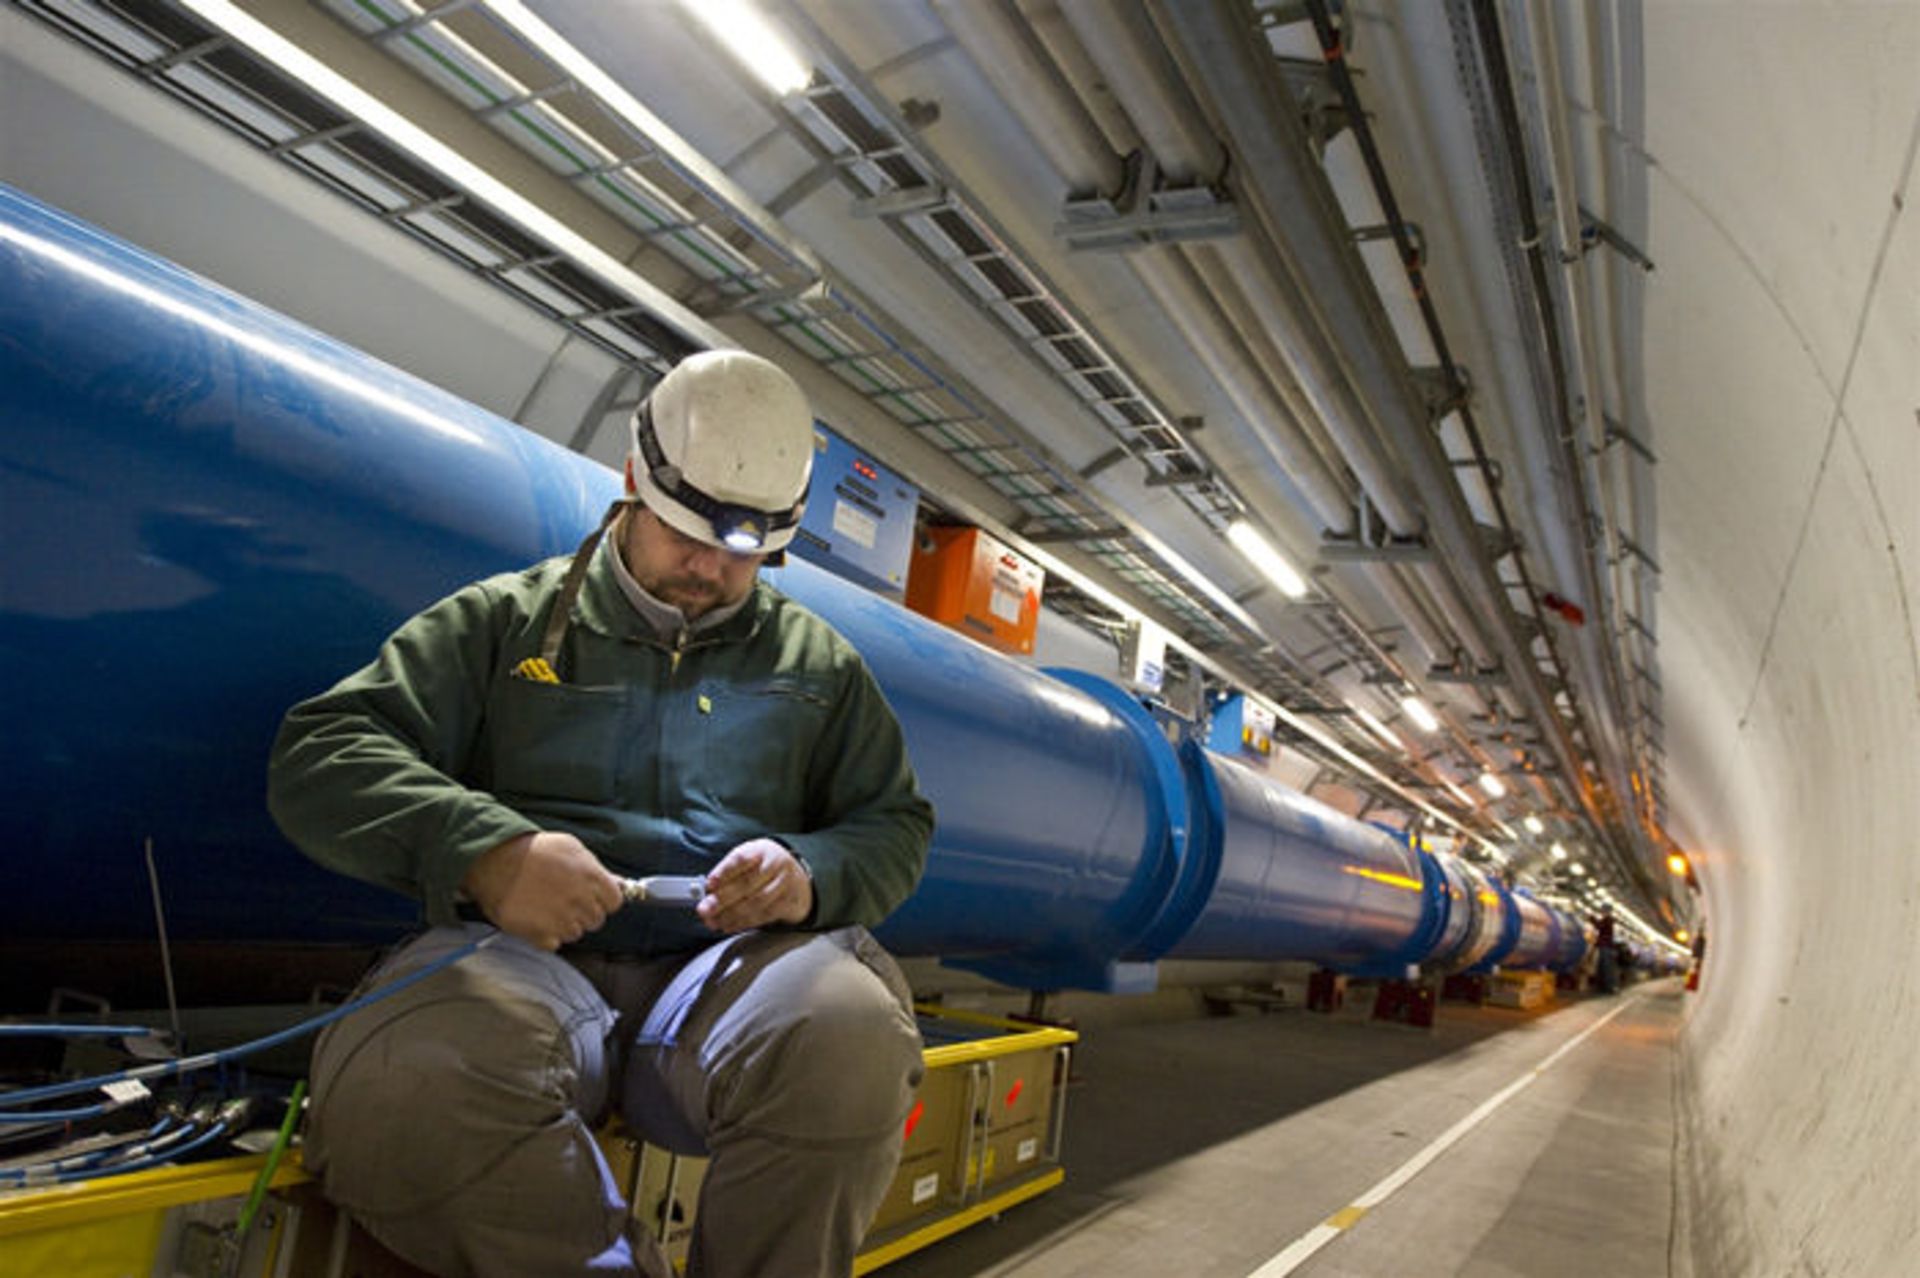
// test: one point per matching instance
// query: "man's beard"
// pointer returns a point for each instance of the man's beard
(690, 595)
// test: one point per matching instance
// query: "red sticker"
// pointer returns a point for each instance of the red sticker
(913, 1119)
(1013, 1093)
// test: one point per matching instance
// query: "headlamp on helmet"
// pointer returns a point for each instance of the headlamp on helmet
(722, 451)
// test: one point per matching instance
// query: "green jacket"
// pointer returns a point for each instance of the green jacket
(659, 760)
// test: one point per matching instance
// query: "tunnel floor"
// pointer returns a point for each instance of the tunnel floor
(1229, 1147)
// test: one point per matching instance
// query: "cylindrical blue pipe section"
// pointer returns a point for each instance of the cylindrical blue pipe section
(1574, 939)
(1506, 915)
(1054, 842)
(209, 512)
(1539, 934)
(1292, 878)
(212, 512)
(1459, 909)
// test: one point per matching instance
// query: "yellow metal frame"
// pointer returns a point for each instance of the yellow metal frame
(885, 1254)
(1019, 1036)
(56, 1206)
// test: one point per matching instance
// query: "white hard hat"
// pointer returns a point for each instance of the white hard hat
(722, 450)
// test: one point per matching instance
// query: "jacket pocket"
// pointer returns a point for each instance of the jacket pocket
(759, 736)
(556, 740)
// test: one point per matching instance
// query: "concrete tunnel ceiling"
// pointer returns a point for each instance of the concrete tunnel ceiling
(1761, 156)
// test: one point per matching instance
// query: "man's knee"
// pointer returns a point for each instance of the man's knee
(819, 1044)
(418, 1094)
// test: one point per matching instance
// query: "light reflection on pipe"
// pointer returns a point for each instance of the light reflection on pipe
(1383, 876)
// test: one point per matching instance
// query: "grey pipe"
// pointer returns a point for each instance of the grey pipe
(991, 32)
(1175, 287)
(1275, 163)
(1050, 28)
(1122, 43)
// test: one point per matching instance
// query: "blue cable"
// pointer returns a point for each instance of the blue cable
(157, 1160)
(18, 1029)
(135, 1143)
(168, 1069)
(61, 1115)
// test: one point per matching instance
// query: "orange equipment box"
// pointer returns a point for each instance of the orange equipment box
(964, 578)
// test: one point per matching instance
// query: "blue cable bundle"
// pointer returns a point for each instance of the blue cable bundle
(174, 1134)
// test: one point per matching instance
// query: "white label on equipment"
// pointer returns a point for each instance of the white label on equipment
(126, 1090)
(1026, 1149)
(855, 524)
(1005, 604)
(925, 1187)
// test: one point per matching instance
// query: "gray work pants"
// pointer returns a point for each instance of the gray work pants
(453, 1120)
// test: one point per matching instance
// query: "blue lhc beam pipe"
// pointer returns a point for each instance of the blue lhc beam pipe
(1539, 933)
(211, 512)
(1473, 912)
(1282, 876)
(1057, 832)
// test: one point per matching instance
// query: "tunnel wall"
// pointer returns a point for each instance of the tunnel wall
(1783, 378)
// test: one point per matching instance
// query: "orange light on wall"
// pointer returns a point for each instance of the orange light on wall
(1677, 863)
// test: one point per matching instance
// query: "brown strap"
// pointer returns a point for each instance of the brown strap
(562, 615)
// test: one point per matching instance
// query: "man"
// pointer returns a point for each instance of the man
(647, 707)
(1603, 942)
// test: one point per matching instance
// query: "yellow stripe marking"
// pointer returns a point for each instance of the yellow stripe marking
(1346, 1218)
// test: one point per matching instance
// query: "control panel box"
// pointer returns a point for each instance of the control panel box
(967, 579)
(859, 518)
(1242, 727)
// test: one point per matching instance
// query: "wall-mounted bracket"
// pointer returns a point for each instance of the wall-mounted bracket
(1486, 677)
(1442, 392)
(1322, 111)
(1630, 547)
(1594, 232)
(1618, 434)
(1416, 239)
(904, 202)
(1387, 550)
(1175, 215)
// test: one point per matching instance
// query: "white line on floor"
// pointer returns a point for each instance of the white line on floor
(1320, 1235)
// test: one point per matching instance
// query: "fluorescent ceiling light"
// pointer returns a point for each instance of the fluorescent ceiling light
(1576, 869)
(515, 15)
(1416, 710)
(1226, 602)
(1380, 729)
(489, 190)
(1534, 824)
(1559, 852)
(755, 41)
(1247, 540)
(1492, 785)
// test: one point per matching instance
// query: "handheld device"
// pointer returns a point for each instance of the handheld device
(683, 890)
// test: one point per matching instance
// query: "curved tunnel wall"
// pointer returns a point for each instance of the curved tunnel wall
(212, 512)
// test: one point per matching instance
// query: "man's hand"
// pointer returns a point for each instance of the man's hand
(758, 883)
(545, 888)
